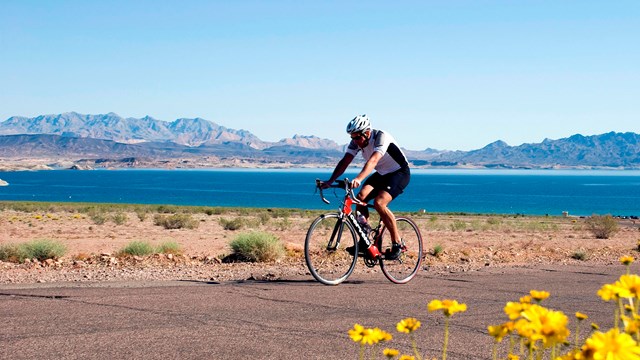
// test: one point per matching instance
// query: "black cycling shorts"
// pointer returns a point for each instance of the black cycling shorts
(393, 183)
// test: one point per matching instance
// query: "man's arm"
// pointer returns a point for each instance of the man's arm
(342, 166)
(367, 169)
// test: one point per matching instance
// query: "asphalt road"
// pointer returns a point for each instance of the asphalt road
(292, 319)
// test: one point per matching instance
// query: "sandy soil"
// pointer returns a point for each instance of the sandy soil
(466, 242)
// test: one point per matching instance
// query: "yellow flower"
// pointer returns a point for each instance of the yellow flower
(407, 357)
(449, 307)
(498, 331)
(573, 355)
(631, 325)
(390, 353)
(525, 299)
(513, 310)
(382, 335)
(513, 357)
(546, 325)
(357, 333)
(408, 325)
(609, 292)
(611, 345)
(626, 260)
(539, 295)
(580, 316)
(595, 327)
(629, 285)
(363, 336)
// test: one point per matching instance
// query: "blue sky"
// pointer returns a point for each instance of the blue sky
(436, 74)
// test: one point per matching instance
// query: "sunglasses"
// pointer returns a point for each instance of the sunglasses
(358, 137)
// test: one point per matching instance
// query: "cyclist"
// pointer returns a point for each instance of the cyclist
(382, 154)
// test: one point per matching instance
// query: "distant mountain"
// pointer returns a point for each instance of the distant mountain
(190, 132)
(611, 150)
(310, 142)
(109, 136)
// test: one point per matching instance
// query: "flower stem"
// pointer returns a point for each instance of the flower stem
(446, 338)
(414, 346)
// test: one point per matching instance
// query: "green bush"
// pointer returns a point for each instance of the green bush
(257, 247)
(12, 253)
(36, 249)
(458, 225)
(119, 218)
(98, 218)
(234, 224)
(177, 221)
(137, 248)
(169, 247)
(603, 227)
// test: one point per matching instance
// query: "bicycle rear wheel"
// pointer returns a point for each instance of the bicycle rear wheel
(406, 266)
(324, 249)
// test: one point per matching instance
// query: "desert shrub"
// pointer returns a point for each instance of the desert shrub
(176, 221)
(283, 224)
(257, 247)
(169, 247)
(12, 253)
(437, 250)
(142, 214)
(603, 227)
(233, 224)
(44, 249)
(37, 249)
(98, 218)
(213, 211)
(167, 209)
(264, 218)
(137, 248)
(581, 255)
(119, 218)
(458, 225)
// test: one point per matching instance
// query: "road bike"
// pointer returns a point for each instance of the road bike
(329, 236)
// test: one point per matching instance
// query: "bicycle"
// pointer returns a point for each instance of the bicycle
(326, 242)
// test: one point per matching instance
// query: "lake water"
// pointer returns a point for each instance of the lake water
(532, 192)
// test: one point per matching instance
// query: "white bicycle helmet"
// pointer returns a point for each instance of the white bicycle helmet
(359, 123)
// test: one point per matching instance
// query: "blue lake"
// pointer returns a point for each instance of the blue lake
(533, 192)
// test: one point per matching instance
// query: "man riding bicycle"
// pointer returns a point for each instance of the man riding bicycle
(382, 154)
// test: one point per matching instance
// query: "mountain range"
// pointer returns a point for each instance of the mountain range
(111, 140)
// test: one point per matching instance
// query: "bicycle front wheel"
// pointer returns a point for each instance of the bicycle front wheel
(406, 266)
(324, 249)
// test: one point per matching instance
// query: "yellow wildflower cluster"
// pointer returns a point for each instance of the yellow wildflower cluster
(368, 336)
(536, 325)
(541, 331)
(371, 336)
(449, 307)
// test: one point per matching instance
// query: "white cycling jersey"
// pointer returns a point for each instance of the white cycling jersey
(393, 158)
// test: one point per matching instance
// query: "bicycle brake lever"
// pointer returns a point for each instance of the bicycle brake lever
(319, 188)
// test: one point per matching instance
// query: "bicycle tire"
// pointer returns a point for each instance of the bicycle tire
(324, 249)
(406, 266)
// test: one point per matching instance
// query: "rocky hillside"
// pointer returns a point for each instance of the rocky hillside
(110, 136)
(190, 132)
(611, 150)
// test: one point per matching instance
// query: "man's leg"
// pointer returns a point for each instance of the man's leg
(381, 203)
(362, 196)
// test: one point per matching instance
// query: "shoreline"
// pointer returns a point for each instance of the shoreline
(10, 164)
